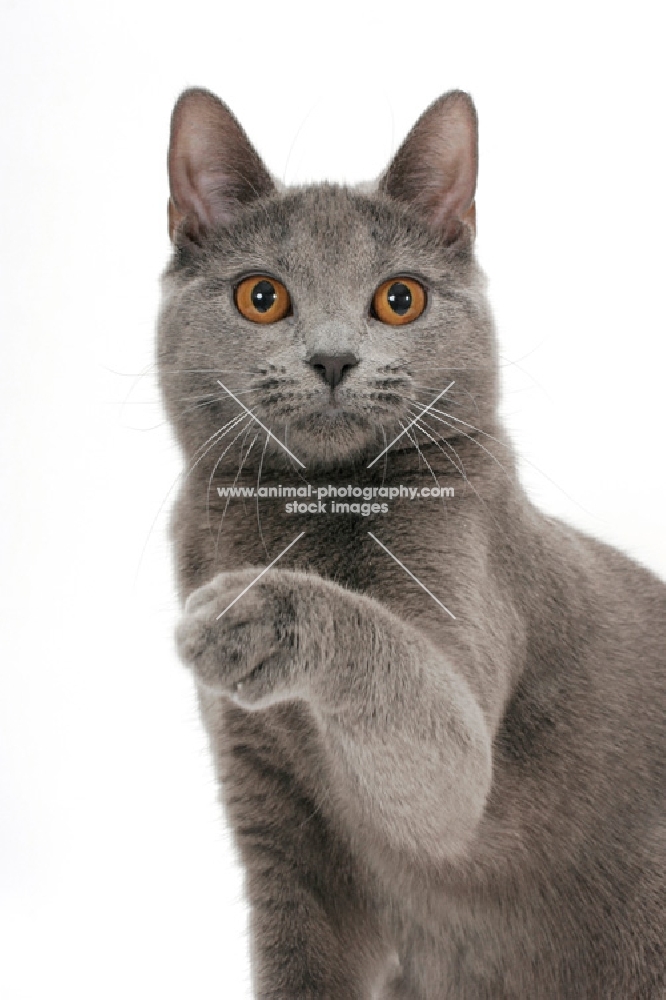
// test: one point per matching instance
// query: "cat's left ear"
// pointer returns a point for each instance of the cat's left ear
(436, 167)
(213, 168)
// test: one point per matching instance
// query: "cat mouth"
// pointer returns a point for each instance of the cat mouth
(331, 417)
(333, 408)
(337, 426)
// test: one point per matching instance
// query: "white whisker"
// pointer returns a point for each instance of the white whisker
(240, 469)
(243, 430)
(474, 440)
(421, 455)
(261, 464)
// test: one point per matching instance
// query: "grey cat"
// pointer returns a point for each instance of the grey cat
(452, 794)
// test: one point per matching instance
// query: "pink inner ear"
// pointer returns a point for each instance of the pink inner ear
(452, 198)
(213, 168)
(435, 168)
(210, 196)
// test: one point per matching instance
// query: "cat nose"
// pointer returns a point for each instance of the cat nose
(332, 367)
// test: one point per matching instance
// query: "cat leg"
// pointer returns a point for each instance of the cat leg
(399, 987)
(298, 951)
(313, 933)
(408, 747)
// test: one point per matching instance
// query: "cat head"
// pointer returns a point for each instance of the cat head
(333, 313)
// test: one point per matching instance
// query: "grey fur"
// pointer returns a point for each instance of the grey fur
(426, 808)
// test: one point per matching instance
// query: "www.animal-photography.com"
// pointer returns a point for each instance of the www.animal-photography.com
(334, 510)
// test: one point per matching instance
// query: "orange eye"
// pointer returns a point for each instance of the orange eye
(262, 300)
(398, 301)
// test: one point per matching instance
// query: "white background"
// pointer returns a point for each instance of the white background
(116, 874)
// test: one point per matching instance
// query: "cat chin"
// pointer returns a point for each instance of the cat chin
(330, 437)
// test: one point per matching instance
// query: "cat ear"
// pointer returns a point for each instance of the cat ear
(213, 168)
(435, 168)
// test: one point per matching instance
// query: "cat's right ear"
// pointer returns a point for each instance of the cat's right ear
(435, 169)
(213, 168)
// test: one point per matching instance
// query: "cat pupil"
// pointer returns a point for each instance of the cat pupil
(399, 298)
(263, 296)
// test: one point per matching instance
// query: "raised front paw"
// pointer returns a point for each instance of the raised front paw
(245, 645)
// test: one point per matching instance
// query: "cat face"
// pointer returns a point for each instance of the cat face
(334, 314)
